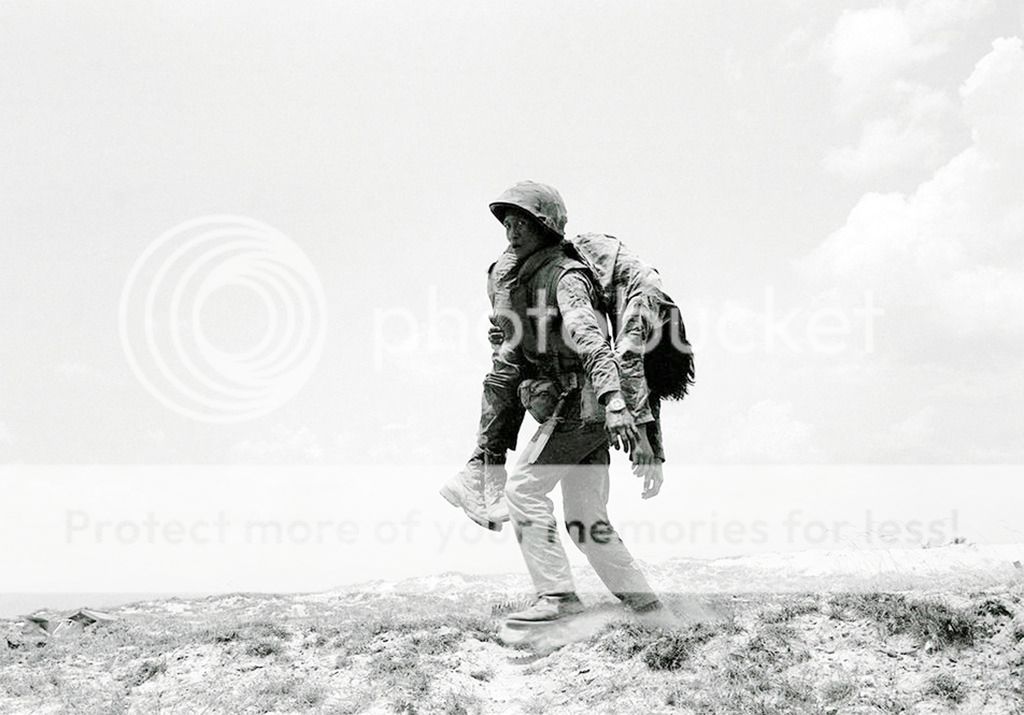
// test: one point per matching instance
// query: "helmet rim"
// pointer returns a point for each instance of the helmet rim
(540, 201)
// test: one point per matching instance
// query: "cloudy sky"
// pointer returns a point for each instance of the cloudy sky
(832, 192)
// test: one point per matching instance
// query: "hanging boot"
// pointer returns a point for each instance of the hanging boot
(466, 491)
(494, 478)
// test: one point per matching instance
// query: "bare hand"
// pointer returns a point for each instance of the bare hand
(621, 429)
(495, 335)
(642, 456)
(652, 481)
(647, 466)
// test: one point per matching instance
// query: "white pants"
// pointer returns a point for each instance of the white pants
(577, 458)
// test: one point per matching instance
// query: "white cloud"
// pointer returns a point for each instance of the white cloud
(871, 47)
(925, 16)
(875, 53)
(913, 135)
(953, 249)
(768, 432)
(946, 263)
(797, 49)
(993, 96)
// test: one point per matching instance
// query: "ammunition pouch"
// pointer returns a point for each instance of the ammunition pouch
(539, 397)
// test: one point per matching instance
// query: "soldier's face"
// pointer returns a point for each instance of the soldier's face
(523, 234)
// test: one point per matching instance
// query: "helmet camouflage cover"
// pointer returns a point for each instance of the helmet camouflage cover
(541, 201)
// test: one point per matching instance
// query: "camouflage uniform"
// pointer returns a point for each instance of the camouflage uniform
(571, 350)
(628, 291)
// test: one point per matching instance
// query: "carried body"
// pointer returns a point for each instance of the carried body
(655, 358)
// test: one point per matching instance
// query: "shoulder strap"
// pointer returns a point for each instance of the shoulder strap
(547, 278)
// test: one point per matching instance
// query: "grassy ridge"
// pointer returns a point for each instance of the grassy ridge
(812, 653)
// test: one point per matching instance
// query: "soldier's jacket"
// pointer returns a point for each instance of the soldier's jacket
(562, 338)
(627, 290)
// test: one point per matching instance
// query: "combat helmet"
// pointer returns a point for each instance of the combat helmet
(541, 201)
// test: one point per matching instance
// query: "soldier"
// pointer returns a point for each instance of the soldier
(644, 317)
(561, 350)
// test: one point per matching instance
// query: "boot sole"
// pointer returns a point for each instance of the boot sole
(505, 517)
(520, 624)
(452, 498)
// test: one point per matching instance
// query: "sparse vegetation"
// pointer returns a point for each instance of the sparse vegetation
(145, 671)
(658, 649)
(484, 675)
(625, 639)
(670, 651)
(227, 636)
(776, 647)
(790, 609)
(405, 653)
(511, 604)
(460, 704)
(932, 622)
(739, 686)
(409, 691)
(994, 608)
(836, 691)
(408, 655)
(947, 687)
(288, 693)
(264, 648)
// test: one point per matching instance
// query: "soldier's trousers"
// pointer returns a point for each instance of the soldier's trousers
(577, 458)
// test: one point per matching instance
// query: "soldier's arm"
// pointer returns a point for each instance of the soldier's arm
(581, 323)
(576, 303)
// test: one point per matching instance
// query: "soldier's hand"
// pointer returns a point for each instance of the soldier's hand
(495, 335)
(621, 429)
(653, 481)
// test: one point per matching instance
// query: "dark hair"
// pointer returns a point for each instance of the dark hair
(668, 364)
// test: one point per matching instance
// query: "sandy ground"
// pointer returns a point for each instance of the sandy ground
(941, 630)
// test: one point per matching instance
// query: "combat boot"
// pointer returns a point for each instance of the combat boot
(549, 607)
(494, 478)
(466, 491)
(656, 615)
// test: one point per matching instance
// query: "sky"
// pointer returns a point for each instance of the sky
(831, 192)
